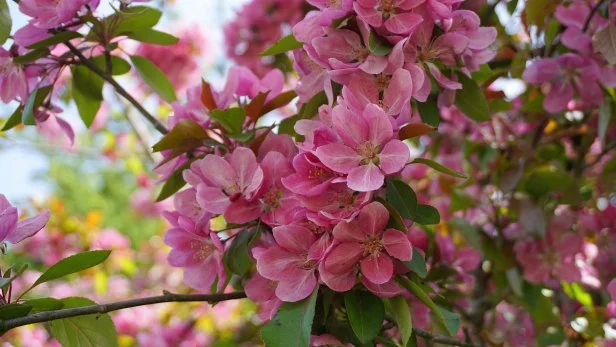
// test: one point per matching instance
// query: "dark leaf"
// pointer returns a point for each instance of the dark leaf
(285, 44)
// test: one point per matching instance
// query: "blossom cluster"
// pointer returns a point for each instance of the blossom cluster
(315, 203)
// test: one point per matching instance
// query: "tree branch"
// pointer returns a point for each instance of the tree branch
(592, 14)
(107, 77)
(444, 340)
(41, 317)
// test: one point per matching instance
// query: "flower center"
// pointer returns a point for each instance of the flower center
(309, 264)
(369, 152)
(387, 8)
(361, 53)
(316, 229)
(372, 246)
(319, 173)
(271, 199)
(334, 4)
(202, 250)
(345, 199)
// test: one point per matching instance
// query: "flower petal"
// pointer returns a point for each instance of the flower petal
(28, 227)
(378, 269)
(338, 157)
(397, 244)
(365, 178)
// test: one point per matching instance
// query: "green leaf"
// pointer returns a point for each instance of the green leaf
(547, 179)
(426, 215)
(311, 108)
(538, 10)
(153, 36)
(236, 256)
(285, 44)
(292, 325)
(399, 308)
(551, 31)
(5, 22)
(402, 198)
(31, 56)
(395, 220)
(14, 120)
(153, 77)
(438, 167)
(9, 278)
(366, 313)
(34, 101)
(425, 298)
(60, 37)
(44, 304)
(417, 264)
(184, 136)
(11, 311)
(378, 45)
(72, 264)
(605, 117)
(232, 119)
(429, 112)
(576, 292)
(119, 66)
(134, 19)
(87, 93)
(174, 183)
(471, 101)
(450, 323)
(94, 330)
(469, 232)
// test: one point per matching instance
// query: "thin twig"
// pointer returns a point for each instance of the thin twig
(41, 317)
(592, 14)
(428, 336)
(85, 61)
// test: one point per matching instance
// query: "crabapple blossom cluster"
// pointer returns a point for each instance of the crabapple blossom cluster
(313, 206)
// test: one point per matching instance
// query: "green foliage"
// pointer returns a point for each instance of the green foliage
(231, 119)
(285, 44)
(378, 45)
(60, 37)
(119, 66)
(154, 77)
(72, 264)
(417, 264)
(44, 304)
(91, 330)
(87, 93)
(14, 120)
(426, 215)
(366, 313)
(11, 311)
(401, 312)
(292, 325)
(402, 198)
(34, 101)
(438, 167)
(471, 101)
(133, 19)
(429, 112)
(237, 257)
(153, 36)
(5, 22)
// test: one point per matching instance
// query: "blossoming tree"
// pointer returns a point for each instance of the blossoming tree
(361, 175)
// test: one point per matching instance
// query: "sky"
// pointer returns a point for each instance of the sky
(20, 161)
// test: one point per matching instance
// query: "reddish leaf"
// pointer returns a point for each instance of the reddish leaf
(278, 102)
(184, 136)
(414, 130)
(255, 108)
(207, 97)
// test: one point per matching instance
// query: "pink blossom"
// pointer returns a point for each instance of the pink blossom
(368, 150)
(197, 250)
(273, 203)
(335, 204)
(293, 261)
(391, 92)
(396, 15)
(562, 76)
(221, 181)
(14, 230)
(364, 242)
(331, 9)
(326, 340)
(13, 81)
(263, 291)
(311, 177)
(550, 258)
(343, 50)
(51, 13)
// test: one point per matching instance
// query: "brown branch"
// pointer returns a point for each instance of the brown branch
(592, 14)
(107, 77)
(428, 336)
(6, 325)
